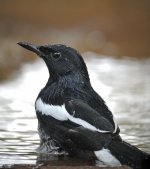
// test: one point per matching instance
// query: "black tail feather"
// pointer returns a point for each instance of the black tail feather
(130, 155)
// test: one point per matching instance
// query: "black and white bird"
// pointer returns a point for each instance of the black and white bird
(73, 117)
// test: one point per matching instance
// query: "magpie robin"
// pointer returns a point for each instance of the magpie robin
(73, 117)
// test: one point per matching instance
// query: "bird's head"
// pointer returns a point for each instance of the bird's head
(60, 59)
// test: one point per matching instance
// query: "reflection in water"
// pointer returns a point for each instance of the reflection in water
(124, 84)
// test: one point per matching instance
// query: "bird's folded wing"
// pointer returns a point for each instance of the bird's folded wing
(88, 117)
(88, 140)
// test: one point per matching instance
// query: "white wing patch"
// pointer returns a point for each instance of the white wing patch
(60, 113)
(57, 112)
(116, 125)
(106, 157)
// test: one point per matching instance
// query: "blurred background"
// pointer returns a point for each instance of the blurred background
(116, 28)
(114, 38)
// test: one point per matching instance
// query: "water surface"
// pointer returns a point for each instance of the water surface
(124, 84)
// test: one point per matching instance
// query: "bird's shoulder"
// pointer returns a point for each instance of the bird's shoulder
(77, 112)
(82, 110)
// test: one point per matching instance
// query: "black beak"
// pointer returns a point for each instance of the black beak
(30, 47)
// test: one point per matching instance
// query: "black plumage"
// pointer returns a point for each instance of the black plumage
(73, 117)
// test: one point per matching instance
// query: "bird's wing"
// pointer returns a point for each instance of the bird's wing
(84, 115)
(88, 140)
(86, 143)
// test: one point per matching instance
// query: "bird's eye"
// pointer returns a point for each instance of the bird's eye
(56, 55)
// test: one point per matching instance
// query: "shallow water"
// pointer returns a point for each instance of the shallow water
(124, 85)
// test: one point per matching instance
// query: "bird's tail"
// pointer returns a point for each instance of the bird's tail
(130, 155)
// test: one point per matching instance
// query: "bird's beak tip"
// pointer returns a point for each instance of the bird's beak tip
(30, 47)
(23, 44)
(20, 43)
(26, 45)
